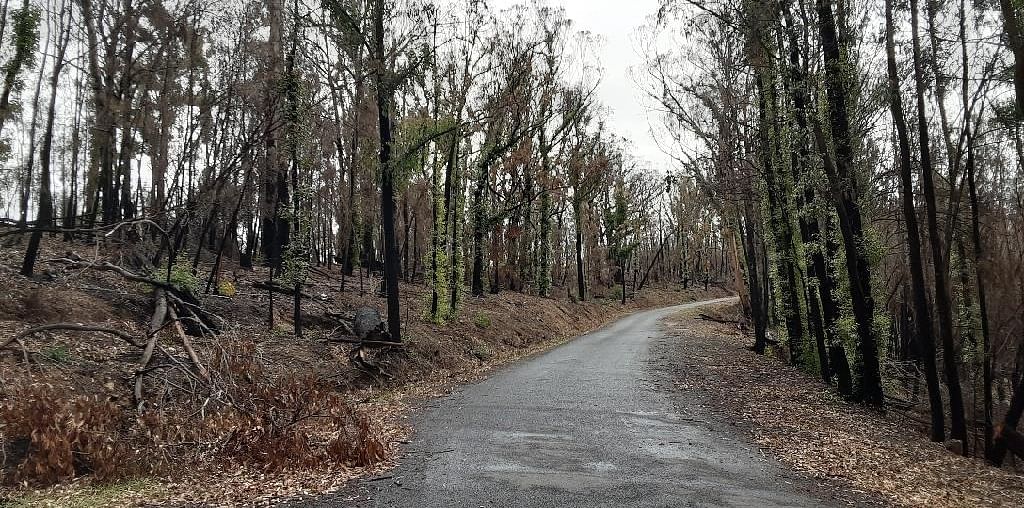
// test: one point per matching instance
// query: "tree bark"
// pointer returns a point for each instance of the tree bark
(385, 98)
(844, 186)
(924, 335)
(943, 302)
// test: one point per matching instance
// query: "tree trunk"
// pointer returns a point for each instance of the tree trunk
(581, 281)
(385, 98)
(943, 302)
(844, 185)
(924, 337)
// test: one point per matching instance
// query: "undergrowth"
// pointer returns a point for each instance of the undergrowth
(245, 415)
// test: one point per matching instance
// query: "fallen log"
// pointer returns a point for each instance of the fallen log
(706, 317)
(365, 342)
(281, 290)
(156, 323)
(74, 327)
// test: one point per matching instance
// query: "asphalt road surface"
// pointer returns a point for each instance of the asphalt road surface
(586, 424)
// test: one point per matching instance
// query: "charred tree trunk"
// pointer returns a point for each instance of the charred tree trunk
(924, 337)
(943, 302)
(844, 185)
(385, 98)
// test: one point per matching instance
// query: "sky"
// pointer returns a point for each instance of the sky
(616, 22)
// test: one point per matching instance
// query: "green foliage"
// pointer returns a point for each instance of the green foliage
(181, 277)
(617, 222)
(440, 283)
(300, 147)
(226, 288)
(615, 294)
(482, 321)
(24, 39)
(57, 354)
(482, 352)
(458, 287)
(412, 137)
(25, 42)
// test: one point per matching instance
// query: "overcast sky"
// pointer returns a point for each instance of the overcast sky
(616, 21)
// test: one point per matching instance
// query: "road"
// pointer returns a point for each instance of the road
(586, 424)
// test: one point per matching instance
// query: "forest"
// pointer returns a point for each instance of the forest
(228, 227)
(867, 158)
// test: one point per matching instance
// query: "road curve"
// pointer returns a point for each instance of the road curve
(584, 424)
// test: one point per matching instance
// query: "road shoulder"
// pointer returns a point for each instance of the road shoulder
(858, 456)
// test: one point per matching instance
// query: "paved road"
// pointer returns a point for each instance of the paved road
(586, 425)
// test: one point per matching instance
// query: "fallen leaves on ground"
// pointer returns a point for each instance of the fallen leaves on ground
(437, 357)
(811, 429)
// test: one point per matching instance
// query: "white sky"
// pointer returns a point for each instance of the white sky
(616, 22)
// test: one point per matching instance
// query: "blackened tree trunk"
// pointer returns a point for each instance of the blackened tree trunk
(1012, 29)
(101, 161)
(757, 308)
(480, 223)
(44, 218)
(943, 302)
(779, 209)
(581, 282)
(275, 227)
(809, 229)
(924, 335)
(385, 99)
(845, 188)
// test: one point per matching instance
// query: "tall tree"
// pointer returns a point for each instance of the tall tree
(943, 301)
(922, 317)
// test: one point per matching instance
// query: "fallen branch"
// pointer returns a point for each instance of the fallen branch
(106, 230)
(75, 327)
(170, 291)
(358, 358)
(156, 324)
(706, 317)
(187, 343)
(365, 342)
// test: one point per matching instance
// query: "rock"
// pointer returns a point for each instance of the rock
(367, 324)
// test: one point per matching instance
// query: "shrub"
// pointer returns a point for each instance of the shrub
(482, 320)
(57, 354)
(226, 288)
(482, 351)
(181, 277)
(49, 436)
(280, 422)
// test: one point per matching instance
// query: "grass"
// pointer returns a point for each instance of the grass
(482, 321)
(111, 494)
(57, 354)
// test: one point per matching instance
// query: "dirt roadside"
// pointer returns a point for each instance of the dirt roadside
(790, 415)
